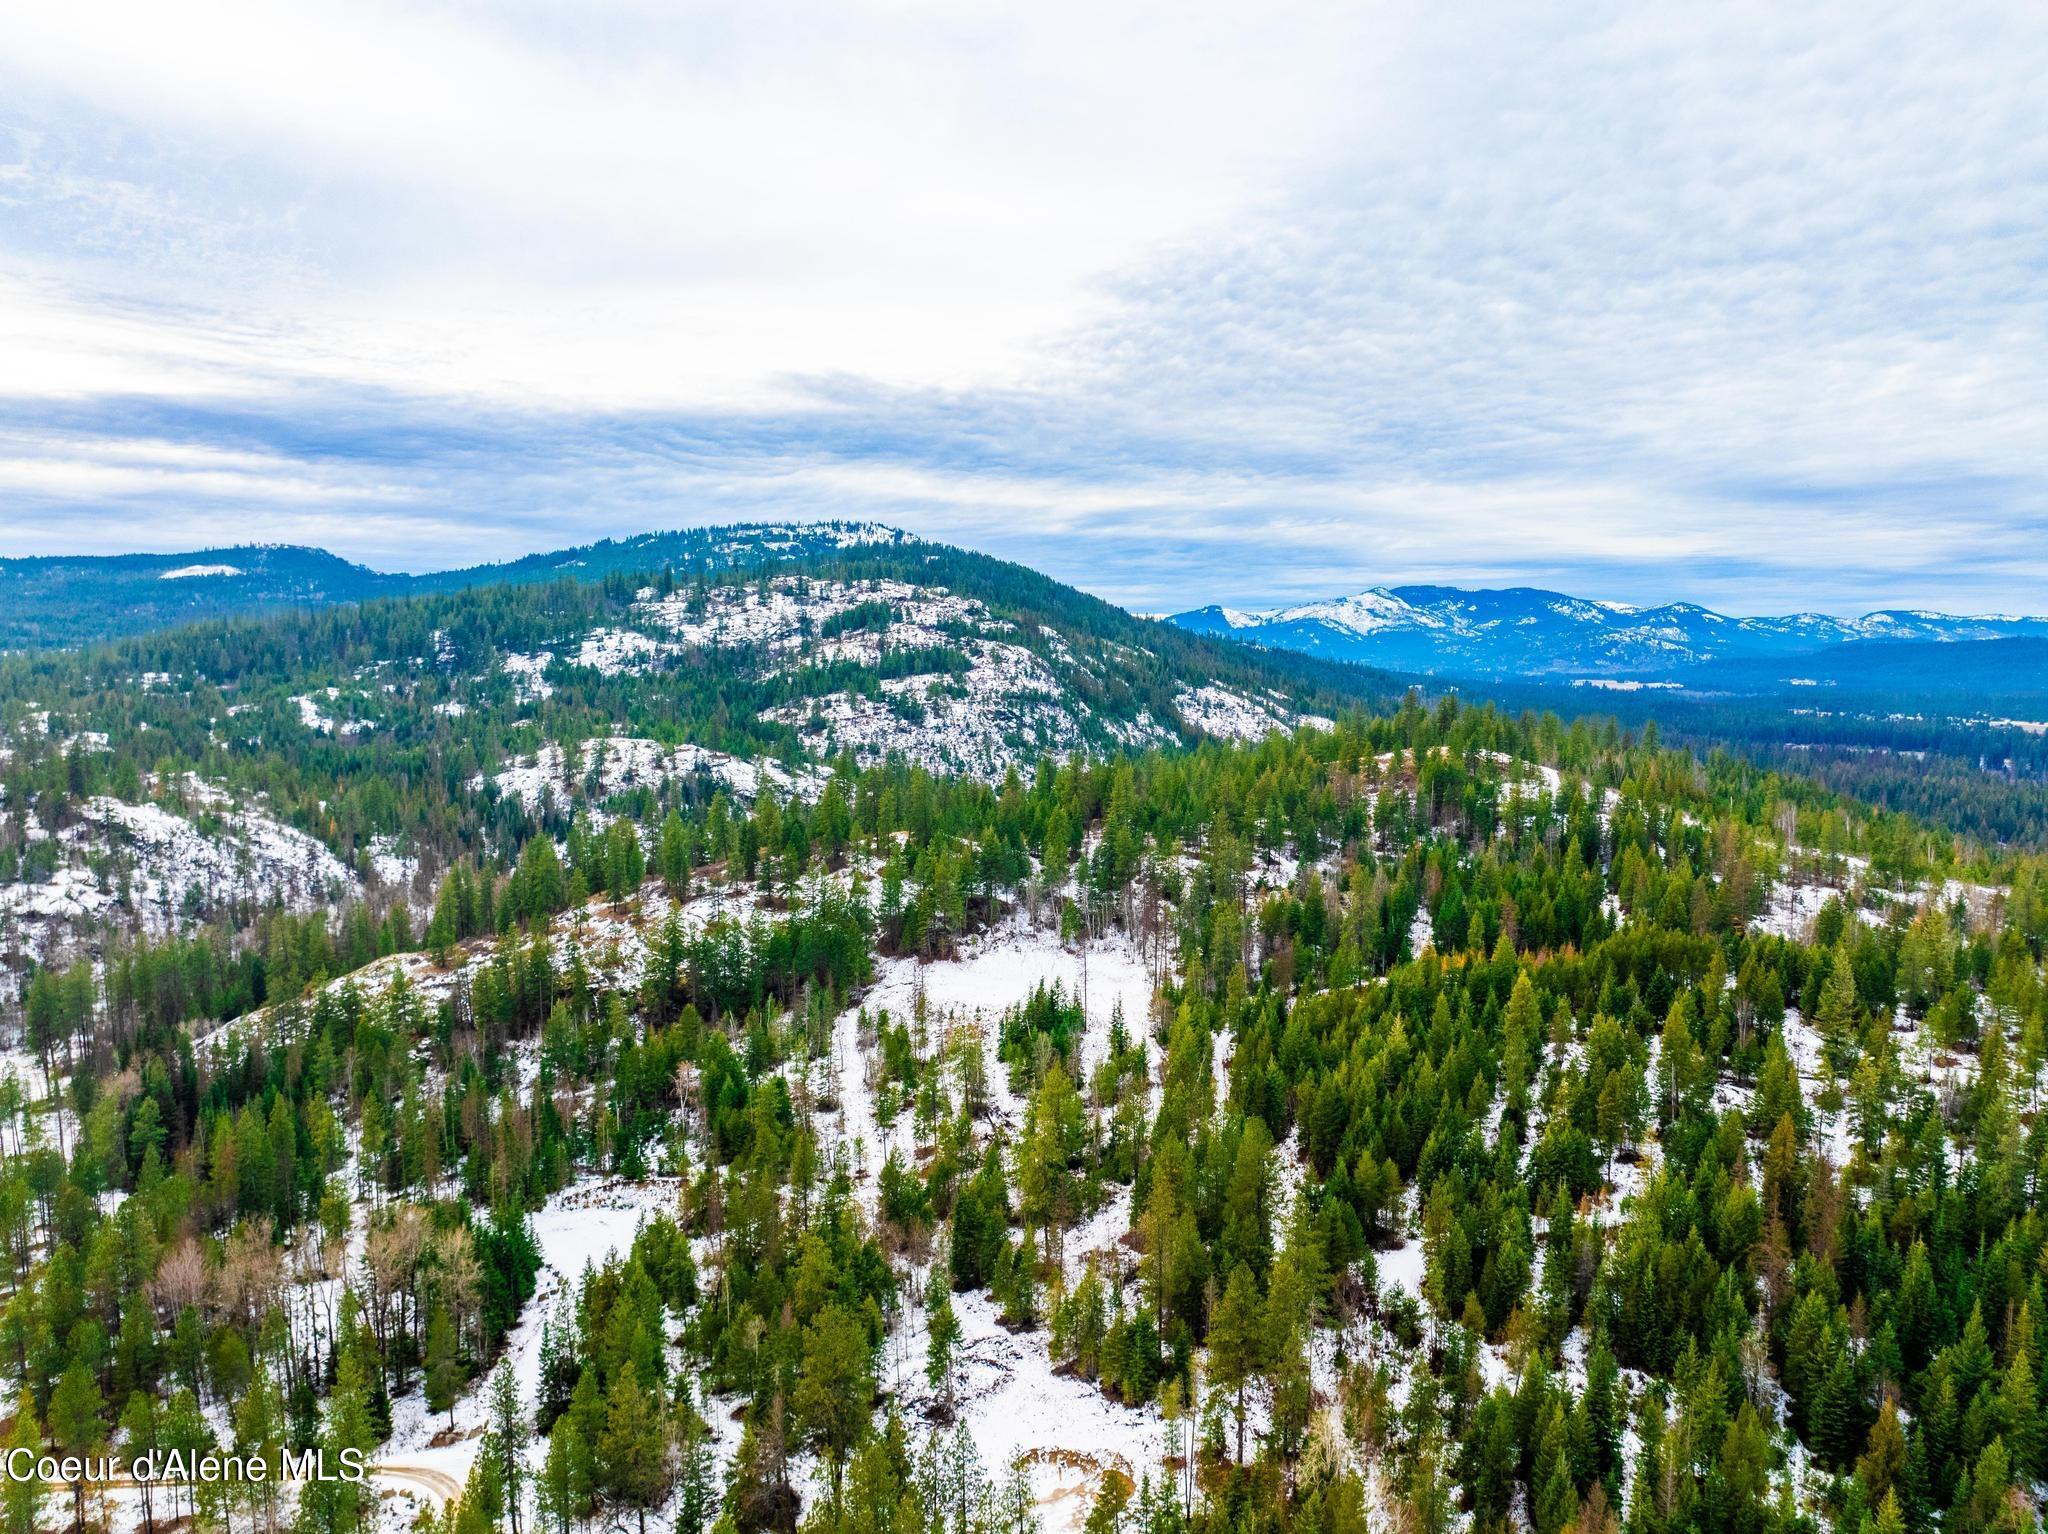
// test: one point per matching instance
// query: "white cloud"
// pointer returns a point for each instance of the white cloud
(645, 203)
(1741, 303)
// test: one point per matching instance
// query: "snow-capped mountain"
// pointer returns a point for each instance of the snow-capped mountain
(1524, 631)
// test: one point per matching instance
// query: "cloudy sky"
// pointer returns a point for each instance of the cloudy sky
(1743, 304)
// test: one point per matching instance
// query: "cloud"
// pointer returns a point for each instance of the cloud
(1744, 304)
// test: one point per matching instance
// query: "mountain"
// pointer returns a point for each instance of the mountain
(323, 757)
(66, 600)
(1991, 672)
(1523, 631)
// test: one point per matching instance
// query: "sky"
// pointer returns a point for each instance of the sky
(1740, 304)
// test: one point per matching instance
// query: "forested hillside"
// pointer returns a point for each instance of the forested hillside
(72, 600)
(853, 1046)
(226, 777)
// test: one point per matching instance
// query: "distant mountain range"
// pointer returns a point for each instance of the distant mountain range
(1525, 632)
(77, 599)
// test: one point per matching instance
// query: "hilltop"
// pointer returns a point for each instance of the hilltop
(73, 600)
(343, 757)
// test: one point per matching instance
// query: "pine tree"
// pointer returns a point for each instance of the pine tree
(186, 1431)
(1237, 1342)
(481, 1507)
(21, 1497)
(563, 1491)
(1106, 1515)
(2019, 1414)
(943, 1328)
(444, 929)
(340, 1505)
(634, 1466)
(444, 1367)
(140, 1420)
(511, 1436)
(259, 1432)
(1882, 1467)
(672, 857)
(696, 1469)
(1836, 1018)
(834, 1388)
(76, 1425)
(1557, 1501)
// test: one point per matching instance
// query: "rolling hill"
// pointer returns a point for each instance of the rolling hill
(324, 756)
(67, 600)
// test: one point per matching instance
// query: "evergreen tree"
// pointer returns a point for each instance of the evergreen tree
(510, 1437)
(77, 1427)
(672, 856)
(834, 1389)
(1237, 1342)
(444, 1366)
(943, 1329)
(565, 1487)
(635, 1468)
(21, 1497)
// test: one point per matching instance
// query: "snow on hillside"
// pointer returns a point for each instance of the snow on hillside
(1231, 715)
(529, 675)
(616, 764)
(587, 1224)
(960, 689)
(314, 718)
(1790, 907)
(1062, 1430)
(154, 867)
(993, 972)
(1810, 879)
(192, 572)
(1006, 709)
(1366, 612)
(616, 652)
(984, 702)
(789, 612)
(391, 866)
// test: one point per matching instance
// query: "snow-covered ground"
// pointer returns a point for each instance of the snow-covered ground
(1790, 907)
(152, 867)
(994, 972)
(391, 866)
(617, 651)
(1007, 709)
(529, 675)
(1061, 1430)
(585, 1225)
(1812, 878)
(616, 764)
(316, 719)
(1231, 715)
(783, 614)
(1066, 1433)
